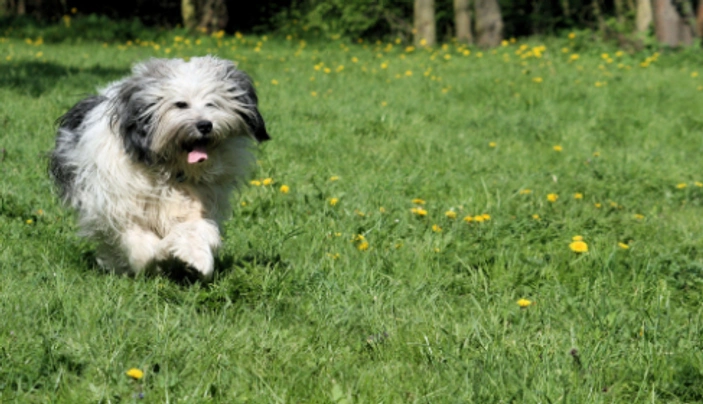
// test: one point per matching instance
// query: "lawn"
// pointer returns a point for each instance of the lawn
(409, 199)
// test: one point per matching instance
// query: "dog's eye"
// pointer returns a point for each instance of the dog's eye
(181, 105)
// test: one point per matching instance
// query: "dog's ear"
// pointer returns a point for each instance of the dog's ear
(243, 92)
(132, 114)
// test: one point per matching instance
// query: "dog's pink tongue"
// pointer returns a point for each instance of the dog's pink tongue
(198, 155)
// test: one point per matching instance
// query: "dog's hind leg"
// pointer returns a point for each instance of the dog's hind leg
(194, 243)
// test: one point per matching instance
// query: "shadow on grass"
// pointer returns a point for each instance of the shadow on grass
(36, 78)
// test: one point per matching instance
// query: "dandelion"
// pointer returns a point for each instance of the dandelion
(285, 189)
(623, 246)
(267, 181)
(552, 197)
(479, 219)
(572, 35)
(698, 184)
(537, 80)
(577, 238)
(313, 93)
(523, 303)
(468, 219)
(694, 75)
(681, 185)
(598, 205)
(535, 216)
(578, 195)
(384, 65)
(355, 59)
(363, 246)
(384, 104)
(29, 221)
(382, 209)
(492, 144)
(486, 216)
(333, 201)
(418, 201)
(525, 191)
(450, 214)
(243, 203)
(334, 178)
(408, 73)
(419, 211)
(579, 247)
(638, 216)
(255, 183)
(436, 228)
(135, 373)
(574, 57)
(557, 148)
(333, 256)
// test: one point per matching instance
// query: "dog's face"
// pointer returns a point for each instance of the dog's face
(175, 113)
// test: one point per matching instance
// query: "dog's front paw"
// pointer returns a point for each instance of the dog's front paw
(183, 254)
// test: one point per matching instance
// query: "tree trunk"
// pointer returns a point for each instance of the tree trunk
(489, 23)
(213, 15)
(189, 14)
(21, 7)
(425, 27)
(699, 19)
(644, 15)
(671, 28)
(620, 11)
(462, 21)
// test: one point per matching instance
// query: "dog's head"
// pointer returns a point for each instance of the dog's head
(176, 113)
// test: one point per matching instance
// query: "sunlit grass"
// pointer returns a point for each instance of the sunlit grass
(409, 235)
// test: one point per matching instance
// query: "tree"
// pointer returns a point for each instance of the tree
(489, 23)
(205, 15)
(425, 27)
(671, 26)
(462, 21)
(644, 15)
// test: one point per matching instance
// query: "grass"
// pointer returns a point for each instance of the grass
(301, 312)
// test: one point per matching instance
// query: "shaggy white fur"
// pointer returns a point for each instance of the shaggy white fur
(150, 162)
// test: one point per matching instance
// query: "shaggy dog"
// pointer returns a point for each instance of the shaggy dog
(150, 162)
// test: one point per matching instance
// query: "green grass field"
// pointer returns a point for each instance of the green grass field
(347, 288)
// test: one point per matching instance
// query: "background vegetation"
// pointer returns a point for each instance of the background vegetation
(407, 238)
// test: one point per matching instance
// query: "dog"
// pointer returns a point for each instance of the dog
(150, 163)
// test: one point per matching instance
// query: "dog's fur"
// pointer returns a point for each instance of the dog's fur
(150, 162)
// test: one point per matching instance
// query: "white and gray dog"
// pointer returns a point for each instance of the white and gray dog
(150, 162)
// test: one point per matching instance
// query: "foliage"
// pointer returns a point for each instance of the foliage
(463, 287)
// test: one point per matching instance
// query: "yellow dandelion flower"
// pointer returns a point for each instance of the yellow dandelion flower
(492, 144)
(135, 373)
(578, 195)
(681, 185)
(359, 213)
(255, 183)
(384, 65)
(285, 189)
(418, 201)
(698, 184)
(574, 57)
(450, 214)
(384, 104)
(623, 246)
(486, 216)
(363, 246)
(598, 205)
(334, 178)
(596, 154)
(267, 181)
(355, 59)
(557, 148)
(327, 70)
(572, 35)
(535, 216)
(436, 228)
(578, 247)
(382, 209)
(523, 303)
(552, 197)
(313, 93)
(333, 201)
(577, 238)
(638, 216)
(537, 80)
(243, 203)
(468, 219)
(525, 191)
(419, 211)
(694, 75)
(479, 218)
(408, 73)
(29, 221)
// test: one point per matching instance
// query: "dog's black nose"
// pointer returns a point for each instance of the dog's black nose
(204, 127)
